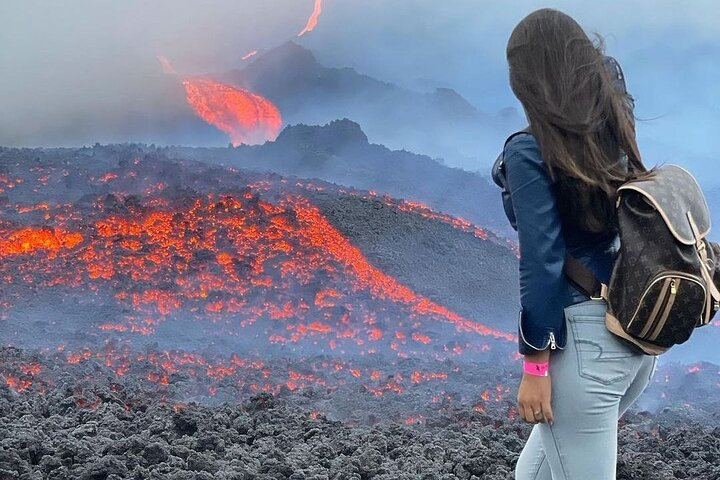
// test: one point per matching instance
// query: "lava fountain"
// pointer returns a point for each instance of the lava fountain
(246, 117)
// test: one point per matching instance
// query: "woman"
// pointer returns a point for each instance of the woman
(562, 178)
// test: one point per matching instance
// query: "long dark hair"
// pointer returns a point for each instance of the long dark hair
(582, 123)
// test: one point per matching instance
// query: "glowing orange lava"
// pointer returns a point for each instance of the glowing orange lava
(28, 240)
(246, 117)
(251, 257)
(259, 258)
(313, 20)
(321, 233)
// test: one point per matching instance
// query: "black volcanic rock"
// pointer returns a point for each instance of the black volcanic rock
(284, 439)
(332, 139)
(283, 70)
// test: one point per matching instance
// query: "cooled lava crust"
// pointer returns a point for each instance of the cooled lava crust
(94, 424)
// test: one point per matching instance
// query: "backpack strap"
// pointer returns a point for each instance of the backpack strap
(498, 169)
(584, 279)
(705, 269)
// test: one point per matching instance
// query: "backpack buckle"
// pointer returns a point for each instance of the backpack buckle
(603, 293)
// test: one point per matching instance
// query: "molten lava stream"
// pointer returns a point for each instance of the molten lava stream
(313, 20)
(246, 117)
(420, 208)
(321, 233)
(269, 254)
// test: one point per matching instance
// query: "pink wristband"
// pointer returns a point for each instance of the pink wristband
(539, 369)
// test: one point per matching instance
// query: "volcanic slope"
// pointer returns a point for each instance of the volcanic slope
(118, 243)
(440, 123)
(340, 152)
(136, 285)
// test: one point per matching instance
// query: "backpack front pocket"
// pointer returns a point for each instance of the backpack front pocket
(670, 307)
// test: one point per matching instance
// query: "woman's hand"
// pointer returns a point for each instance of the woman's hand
(534, 394)
(534, 399)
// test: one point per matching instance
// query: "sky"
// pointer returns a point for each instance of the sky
(90, 66)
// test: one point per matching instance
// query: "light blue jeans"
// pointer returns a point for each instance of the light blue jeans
(595, 378)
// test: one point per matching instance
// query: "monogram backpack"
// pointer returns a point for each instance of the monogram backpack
(665, 275)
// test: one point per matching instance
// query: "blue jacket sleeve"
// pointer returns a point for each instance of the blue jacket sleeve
(543, 289)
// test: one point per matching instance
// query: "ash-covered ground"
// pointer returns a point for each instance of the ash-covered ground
(92, 424)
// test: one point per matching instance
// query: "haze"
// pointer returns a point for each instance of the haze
(85, 71)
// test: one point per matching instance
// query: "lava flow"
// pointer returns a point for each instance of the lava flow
(185, 257)
(313, 20)
(246, 117)
(204, 281)
(260, 261)
(244, 263)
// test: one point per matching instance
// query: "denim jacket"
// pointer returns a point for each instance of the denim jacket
(530, 204)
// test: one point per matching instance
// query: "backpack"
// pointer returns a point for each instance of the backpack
(665, 275)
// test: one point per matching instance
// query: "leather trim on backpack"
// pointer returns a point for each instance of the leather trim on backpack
(665, 275)
(674, 207)
(612, 324)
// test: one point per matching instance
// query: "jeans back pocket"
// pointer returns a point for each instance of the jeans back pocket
(602, 356)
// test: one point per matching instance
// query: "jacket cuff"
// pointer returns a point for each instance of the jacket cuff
(531, 340)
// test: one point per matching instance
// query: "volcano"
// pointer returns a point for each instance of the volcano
(440, 123)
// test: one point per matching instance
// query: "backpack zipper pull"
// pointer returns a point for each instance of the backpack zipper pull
(553, 346)
(673, 287)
